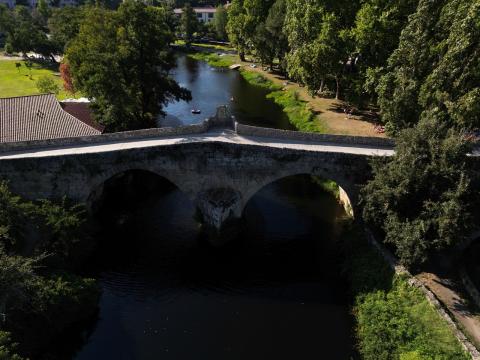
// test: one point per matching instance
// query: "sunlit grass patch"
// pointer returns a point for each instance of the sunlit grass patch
(18, 80)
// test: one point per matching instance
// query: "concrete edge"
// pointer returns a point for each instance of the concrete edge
(431, 298)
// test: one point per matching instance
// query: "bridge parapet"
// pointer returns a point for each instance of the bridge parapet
(248, 130)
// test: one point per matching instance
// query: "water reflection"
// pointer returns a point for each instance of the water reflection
(274, 293)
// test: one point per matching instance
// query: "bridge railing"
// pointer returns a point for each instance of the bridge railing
(247, 130)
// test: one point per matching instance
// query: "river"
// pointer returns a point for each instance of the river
(274, 292)
(212, 87)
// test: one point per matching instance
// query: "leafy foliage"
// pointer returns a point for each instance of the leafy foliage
(122, 60)
(435, 70)
(7, 348)
(421, 198)
(47, 85)
(394, 320)
(188, 24)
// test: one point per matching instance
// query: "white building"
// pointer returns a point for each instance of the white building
(205, 14)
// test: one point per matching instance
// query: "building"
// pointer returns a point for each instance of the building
(204, 14)
(40, 117)
(33, 3)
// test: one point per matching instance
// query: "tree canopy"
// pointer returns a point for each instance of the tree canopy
(121, 60)
(421, 199)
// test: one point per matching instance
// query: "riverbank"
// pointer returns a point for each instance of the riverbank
(307, 113)
(394, 320)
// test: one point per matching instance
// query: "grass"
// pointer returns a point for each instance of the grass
(327, 185)
(206, 46)
(299, 113)
(22, 82)
(214, 59)
(393, 319)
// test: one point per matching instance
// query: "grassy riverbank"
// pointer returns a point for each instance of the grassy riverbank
(299, 113)
(213, 59)
(393, 319)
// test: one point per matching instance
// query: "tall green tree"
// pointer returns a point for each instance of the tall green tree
(188, 23)
(318, 50)
(237, 28)
(122, 60)
(64, 25)
(270, 40)
(434, 71)
(220, 21)
(421, 199)
(376, 34)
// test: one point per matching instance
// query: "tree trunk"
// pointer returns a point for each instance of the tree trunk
(242, 55)
(337, 95)
(322, 85)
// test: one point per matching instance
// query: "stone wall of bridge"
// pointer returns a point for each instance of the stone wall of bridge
(218, 177)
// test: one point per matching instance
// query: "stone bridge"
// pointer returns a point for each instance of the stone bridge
(219, 164)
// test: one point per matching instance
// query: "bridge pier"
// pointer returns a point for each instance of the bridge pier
(220, 210)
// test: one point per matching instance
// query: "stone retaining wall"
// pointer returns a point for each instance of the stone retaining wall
(248, 130)
(432, 299)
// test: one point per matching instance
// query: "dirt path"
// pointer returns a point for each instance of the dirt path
(447, 291)
(329, 111)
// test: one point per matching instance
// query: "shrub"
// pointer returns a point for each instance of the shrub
(47, 85)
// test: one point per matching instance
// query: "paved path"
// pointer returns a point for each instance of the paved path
(447, 291)
(224, 136)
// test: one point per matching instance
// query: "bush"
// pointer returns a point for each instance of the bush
(47, 85)
(394, 319)
(8, 48)
(7, 348)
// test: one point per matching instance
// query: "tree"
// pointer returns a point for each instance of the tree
(236, 27)
(220, 21)
(269, 40)
(66, 76)
(434, 70)
(121, 60)
(421, 199)
(376, 34)
(47, 85)
(317, 48)
(17, 279)
(64, 25)
(188, 23)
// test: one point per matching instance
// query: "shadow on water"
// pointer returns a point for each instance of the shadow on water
(212, 87)
(274, 293)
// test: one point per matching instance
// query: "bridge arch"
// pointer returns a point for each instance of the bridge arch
(99, 185)
(347, 190)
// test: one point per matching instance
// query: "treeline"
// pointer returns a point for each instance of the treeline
(410, 58)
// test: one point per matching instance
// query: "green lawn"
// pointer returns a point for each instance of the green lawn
(17, 81)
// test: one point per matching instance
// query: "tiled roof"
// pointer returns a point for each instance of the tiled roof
(38, 117)
(82, 111)
(198, 10)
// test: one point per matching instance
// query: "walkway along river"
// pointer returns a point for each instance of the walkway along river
(274, 292)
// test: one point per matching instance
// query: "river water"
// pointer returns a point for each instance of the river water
(212, 87)
(274, 292)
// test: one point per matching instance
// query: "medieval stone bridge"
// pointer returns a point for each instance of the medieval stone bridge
(219, 167)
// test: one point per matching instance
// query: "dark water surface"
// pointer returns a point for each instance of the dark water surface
(212, 87)
(273, 293)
